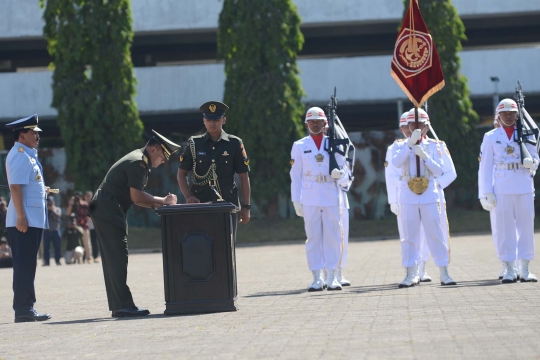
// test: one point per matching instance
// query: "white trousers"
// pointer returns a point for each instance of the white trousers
(325, 236)
(515, 226)
(424, 248)
(493, 221)
(345, 250)
(414, 217)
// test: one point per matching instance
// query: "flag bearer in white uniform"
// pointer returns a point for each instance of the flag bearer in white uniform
(506, 186)
(448, 176)
(319, 198)
(423, 208)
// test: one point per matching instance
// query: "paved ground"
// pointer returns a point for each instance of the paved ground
(478, 318)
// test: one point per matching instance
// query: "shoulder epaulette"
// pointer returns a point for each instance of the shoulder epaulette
(431, 140)
(197, 136)
(400, 140)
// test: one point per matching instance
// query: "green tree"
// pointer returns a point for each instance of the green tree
(259, 41)
(93, 83)
(450, 109)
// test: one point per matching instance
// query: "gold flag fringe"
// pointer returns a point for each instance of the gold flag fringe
(431, 91)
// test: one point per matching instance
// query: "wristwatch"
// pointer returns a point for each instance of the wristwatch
(246, 206)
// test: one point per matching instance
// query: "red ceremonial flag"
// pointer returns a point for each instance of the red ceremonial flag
(415, 65)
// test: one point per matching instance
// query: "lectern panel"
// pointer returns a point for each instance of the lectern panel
(198, 258)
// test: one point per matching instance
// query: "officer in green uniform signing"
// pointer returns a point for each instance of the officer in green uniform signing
(211, 160)
(124, 185)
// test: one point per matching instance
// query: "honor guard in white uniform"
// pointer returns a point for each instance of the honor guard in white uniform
(392, 174)
(506, 187)
(26, 215)
(320, 198)
(421, 208)
(448, 176)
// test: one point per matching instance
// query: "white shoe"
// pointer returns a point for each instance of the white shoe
(410, 278)
(341, 279)
(318, 282)
(422, 274)
(445, 277)
(526, 275)
(331, 281)
(511, 276)
(503, 271)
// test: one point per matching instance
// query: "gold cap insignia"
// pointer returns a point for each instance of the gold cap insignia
(225, 153)
(21, 149)
(38, 177)
(385, 163)
(292, 162)
(212, 108)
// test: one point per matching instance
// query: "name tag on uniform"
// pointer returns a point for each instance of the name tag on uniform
(201, 153)
(307, 151)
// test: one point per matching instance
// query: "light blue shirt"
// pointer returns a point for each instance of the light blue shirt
(23, 168)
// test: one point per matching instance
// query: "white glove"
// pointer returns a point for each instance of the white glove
(486, 205)
(528, 163)
(415, 136)
(336, 173)
(298, 208)
(491, 199)
(418, 150)
(394, 208)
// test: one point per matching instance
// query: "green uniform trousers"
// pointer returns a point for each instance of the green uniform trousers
(114, 258)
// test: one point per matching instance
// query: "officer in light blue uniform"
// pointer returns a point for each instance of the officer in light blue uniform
(26, 215)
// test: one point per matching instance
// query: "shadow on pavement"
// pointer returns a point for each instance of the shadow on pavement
(376, 288)
(486, 282)
(108, 319)
(278, 293)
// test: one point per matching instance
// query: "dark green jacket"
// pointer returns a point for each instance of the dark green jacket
(229, 155)
(112, 200)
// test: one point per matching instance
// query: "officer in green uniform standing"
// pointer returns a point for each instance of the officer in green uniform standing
(211, 160)
(124, 185)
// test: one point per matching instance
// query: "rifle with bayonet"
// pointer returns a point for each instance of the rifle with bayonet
(525, 126)
(338, 140)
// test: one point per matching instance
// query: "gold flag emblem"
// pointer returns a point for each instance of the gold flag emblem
(212, 108)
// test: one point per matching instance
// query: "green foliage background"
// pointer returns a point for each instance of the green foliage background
(259, 41)
(450, 110)
(93, 83)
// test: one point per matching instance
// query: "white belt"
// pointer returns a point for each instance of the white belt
(510, 166)
(317, 178)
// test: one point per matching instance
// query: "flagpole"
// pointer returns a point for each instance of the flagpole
(416, 126)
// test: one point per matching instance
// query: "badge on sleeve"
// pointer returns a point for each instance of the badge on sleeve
(292, 162)
(181, 158)
(385, 163)
(246, 162)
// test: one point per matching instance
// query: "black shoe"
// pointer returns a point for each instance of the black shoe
(32, 316)
(58, 263)
(130, 312)
(45, 264)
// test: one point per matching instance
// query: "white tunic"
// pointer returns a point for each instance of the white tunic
(311, 183)
(403, 156)
(500, 170)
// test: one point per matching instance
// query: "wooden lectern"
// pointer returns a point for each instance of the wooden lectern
(199, 262)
